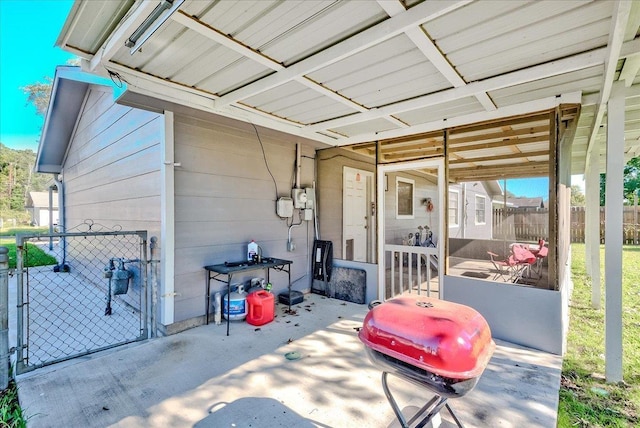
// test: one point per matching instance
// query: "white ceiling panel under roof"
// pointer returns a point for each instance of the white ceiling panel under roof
(380, 125)
(298, 103)
(585, 80)
(348, 72)
(441, 111)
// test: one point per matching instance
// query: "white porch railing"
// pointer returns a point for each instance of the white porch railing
(409, 268)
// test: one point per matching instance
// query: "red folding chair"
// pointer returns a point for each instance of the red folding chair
(541, 253)
(524, 260)
(504, 269)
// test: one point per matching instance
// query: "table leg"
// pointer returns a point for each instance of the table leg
(228, 301)
(208, 297)
(289, 273)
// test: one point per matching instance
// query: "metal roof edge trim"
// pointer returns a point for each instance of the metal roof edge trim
(51, 123)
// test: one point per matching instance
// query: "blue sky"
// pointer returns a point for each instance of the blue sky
(528, 187)
(28, 31)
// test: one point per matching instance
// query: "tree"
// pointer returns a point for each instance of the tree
(577, 197)
(630, 180)
(38, 94)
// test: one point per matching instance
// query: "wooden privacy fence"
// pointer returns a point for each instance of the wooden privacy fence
(630, 226)
(521, 224)
(531, 224)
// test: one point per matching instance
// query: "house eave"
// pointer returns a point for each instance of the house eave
(68, 91)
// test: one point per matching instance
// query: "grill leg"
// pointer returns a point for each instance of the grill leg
(453, 415)
(432, 408)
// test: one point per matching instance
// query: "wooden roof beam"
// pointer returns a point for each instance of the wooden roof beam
(503, 143)
(540, 116)
(530, 131)
(520, 155)
(417, 154)
(535, 169)
(414, 147)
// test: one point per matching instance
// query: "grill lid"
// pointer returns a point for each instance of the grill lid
(441, 337)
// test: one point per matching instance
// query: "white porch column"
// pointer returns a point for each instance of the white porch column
(592, 226)
(167, 206)
(613, 234)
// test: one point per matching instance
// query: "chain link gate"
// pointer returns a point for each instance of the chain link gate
(79, 293)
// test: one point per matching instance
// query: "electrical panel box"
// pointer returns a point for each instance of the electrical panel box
(284, 207)
(307, 214)
(311, 197)
(299, 198)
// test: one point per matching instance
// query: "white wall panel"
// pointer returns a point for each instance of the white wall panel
(225, 197)
(111, 173)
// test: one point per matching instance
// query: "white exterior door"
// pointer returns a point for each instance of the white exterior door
(356, 218)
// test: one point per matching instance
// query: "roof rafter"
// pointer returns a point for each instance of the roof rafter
(503, 112)
(385, 30)
(422, 41)
(619, 21)
(116, 41)
(552, 68)
(242, 49)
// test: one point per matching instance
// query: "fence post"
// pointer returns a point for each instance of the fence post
(4, 318)
(153, 246)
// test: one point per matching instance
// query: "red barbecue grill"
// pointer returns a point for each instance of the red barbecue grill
(439, 345)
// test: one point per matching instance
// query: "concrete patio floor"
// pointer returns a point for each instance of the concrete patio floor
(203, 378)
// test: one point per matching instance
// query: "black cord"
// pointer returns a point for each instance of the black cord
(337, 156)
(113, 75)
(264, 156)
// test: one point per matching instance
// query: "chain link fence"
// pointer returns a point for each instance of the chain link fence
(79, 293)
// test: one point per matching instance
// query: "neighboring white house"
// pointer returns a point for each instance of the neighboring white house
(39, 209)
(470, 209)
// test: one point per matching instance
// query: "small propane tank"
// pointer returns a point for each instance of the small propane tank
(237, 308)
(252, 249)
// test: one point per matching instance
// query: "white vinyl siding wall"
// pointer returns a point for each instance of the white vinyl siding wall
(398, 229)
(111, 174)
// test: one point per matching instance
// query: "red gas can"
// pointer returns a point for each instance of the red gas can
(261, 307)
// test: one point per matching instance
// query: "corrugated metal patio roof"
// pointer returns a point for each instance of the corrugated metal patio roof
(349, 72)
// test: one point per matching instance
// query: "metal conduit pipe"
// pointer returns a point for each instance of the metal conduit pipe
(61, 218)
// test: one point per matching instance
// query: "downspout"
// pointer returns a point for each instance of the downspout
(61, 218)
(51, 216)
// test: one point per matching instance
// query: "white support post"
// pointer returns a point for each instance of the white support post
(592, 224)
(167, 203)
(613, 234)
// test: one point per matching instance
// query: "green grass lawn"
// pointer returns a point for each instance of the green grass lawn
(586, 400)
(35, 256)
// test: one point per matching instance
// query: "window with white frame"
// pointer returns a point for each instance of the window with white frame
(481, 211)
(454, 207)
(405, 189)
